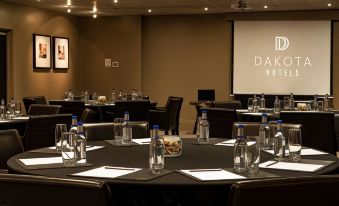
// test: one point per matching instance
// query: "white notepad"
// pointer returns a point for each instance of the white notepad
(41, 161)
(88, 147)
(229, 143)
(212, 174)
(142, 141)
(21, 118)
(291, 166)
(304, 152)
(107, 172)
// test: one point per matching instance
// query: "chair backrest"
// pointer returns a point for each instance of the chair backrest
(336, 128)
(206, 94)
(105, 131)
(138, 109)
(173, 107)
(70, 107)
(310, 191)
(41, 190)
(89, 116)
(43, 109)
(318, 129)
(178, 105)
(33, 100)
(10, 145)
(40, 130)
(221, 122)
(228, 104)
(250, 128)
(273, 127)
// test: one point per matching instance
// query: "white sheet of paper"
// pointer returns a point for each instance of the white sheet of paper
(88, 148)
(229, 143)
(142, 141)
(292, 166)
(212, 174)
(304, 152)
(41, 161)
(21, 118)
(104, 172)
(4, 121)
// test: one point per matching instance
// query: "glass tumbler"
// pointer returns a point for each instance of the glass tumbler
(294, 145)
(69, 149)
(118, 131)
(59, 129)
(250, 104)
(253, 155)
(17, 109)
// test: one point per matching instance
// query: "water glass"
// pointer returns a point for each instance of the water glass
(124, 96)
(69, 149)
(250, 104)
(59, 129)
(320, 105)
(253, 155)
(294, 145)
(118, 131)
(286, 103)
(17, 109)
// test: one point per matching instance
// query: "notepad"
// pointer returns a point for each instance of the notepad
(304, 152)
(107, 172)
(303, 167)
(212, 174)
(41, 161)
(88, 148)
(229, 143)
(21, 118)
(142, 141)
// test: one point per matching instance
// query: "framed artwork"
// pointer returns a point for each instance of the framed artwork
(41, 51)
(61, 53)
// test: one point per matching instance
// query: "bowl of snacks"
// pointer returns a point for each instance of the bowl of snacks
(173, 146)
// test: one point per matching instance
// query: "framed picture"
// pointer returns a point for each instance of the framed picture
(41, 51)
(61, 52)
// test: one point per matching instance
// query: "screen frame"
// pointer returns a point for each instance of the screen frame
(232, 57)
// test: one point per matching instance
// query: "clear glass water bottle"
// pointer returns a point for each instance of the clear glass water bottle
(315, 100)
(276, 107)
(113, 96)
(291, 102)
(204, 128)
(74, 126)
(326, 103)
(262, 101)
(126, 130)
(264, 133)
(279, 143)
(134, 94)
(81, 144)
(86, 96)
(2, 110)
(11, 109)
(156, 152)
(240, 149)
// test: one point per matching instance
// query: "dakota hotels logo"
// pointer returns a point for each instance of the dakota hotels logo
(282, 66)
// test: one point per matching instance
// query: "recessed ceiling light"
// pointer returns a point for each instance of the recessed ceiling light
(95, 16)
(265, 7)
(206, 9)
(149, 10)
(69, 2)
(69, 10)
(115, 1)
(329, 4)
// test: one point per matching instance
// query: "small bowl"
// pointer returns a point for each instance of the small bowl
(173, 146)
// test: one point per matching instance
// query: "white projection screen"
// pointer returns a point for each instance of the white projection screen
(282, 57)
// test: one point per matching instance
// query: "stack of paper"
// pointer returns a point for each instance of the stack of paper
(304, 152)
(41, 161)
(142, 141)
(212, 174)
(107, 172)
(303, 167)
(229, 143)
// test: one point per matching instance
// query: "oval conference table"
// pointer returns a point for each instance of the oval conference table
(173, 188)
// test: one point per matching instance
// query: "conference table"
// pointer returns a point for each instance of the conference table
(18, 123)
(172, 188)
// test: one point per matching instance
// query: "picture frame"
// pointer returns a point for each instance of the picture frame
(61, 53)
(41, 51)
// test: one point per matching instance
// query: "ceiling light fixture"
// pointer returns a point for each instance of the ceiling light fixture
(69, 3)
(265, 7)
(115, 1)
(94, 15)
(206, 9)
(69, 10)
(149, 10)
(329, 4)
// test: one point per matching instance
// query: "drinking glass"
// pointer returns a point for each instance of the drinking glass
(286, 103)
(17, 109)
(59, 129)
(124, 96)
(69, 149)
(250, 104)
(320, 105)
(294, 145)
(253, 155)
(118, 131)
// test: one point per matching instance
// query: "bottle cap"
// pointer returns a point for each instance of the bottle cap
(279, 121)
(80, 123)
(203, 111)
(264, 115)
(155, 126)
(240, 126)
(126, 112)
(74, 116)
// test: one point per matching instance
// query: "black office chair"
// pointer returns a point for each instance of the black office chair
(105, 131)
(138, 109)
(318, 129)
(70, 107)
(228, 104)
(168, 117)
(221, 122)
(177, 117)
(336, 128)
(295, 191)
(250, 128)
(10, 145)
(89, 116)
(33, 100)
(40, 130)
(43, 109)
(41, 190)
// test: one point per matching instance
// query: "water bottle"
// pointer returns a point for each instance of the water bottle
(126, 130)
(120, 95)
(255, 104)
(86, 96)
(315, 100)
(95, 97)
(240, 149)
(264, 133)
(81, 144)
(291, 102)
(262, 101)
(204, 128)
(134, 94)
(276, 107)
(2, 110)
(279, 143)
(11, 109)
(326, 103)
(113, 97)
(70, 95)
(156, 152)
(74, 126)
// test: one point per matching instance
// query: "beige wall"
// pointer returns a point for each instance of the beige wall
(23, 22)
(116, 38)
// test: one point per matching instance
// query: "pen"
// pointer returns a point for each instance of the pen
(205, 170)
(271, 163)
(118, 168)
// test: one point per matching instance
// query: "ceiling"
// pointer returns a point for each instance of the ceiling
(168, 7)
